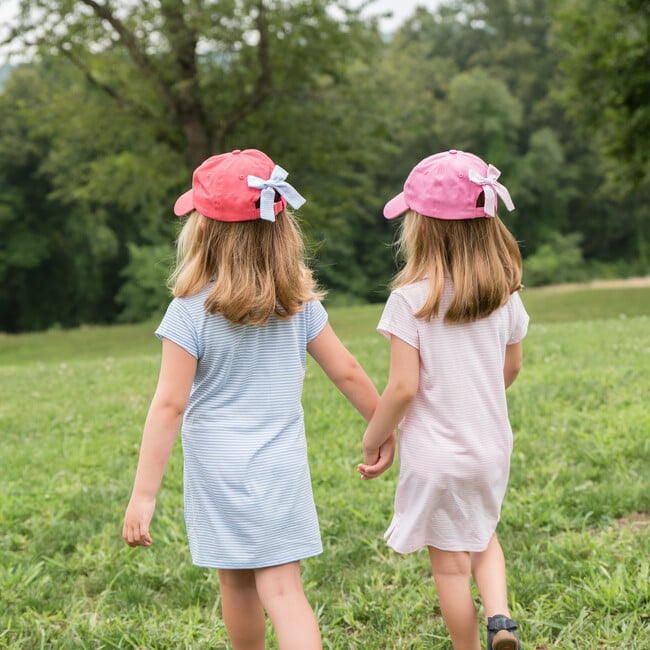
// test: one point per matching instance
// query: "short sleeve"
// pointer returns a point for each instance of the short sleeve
(398, 320)
(316, 319)
(178, 327)
(518, 318)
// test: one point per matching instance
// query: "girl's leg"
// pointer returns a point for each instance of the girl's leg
(489, 571)
(280, 590)
(242, 609)
(451, 571)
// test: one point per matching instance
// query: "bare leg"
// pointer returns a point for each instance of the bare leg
(451, 571)
(489, 571)
(280, 590)
(242, 609)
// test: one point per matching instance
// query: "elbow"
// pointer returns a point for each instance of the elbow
(172, 407)
(176, 408)
(403, 392)
(513, 362)
(349, 374)
(510, 374)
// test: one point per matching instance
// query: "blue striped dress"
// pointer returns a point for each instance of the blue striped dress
(247, 487)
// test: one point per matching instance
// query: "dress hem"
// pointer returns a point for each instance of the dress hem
(263, 565)
(441, 547)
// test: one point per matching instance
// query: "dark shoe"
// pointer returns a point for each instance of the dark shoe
(502, 633)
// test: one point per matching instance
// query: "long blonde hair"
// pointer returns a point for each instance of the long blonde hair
(259, 268)
(480, 256)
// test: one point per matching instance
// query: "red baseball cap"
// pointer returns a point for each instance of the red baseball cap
(238, 186)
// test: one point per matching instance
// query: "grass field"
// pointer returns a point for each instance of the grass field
(574, 525)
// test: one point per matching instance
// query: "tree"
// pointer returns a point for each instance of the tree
(123, 98)
(480, 115)
(53, 252)
(544, 184)
(606, 47)
(195, 69)
(284, 77)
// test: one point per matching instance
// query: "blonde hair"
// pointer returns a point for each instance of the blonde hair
(259, 268)
(480, 256)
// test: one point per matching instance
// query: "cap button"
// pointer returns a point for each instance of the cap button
(453, 151)
(236, 151)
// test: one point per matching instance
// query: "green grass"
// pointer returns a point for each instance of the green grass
(552, 305)
(574, 526)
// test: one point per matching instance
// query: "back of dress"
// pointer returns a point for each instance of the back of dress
(248, 497)
(455, 440)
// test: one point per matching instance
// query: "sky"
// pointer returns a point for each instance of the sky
(7, 10)
(401, 9)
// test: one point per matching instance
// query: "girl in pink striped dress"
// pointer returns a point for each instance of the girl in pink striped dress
(455, 322)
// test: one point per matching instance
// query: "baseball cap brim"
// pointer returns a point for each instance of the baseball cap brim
(396, 207)
(184, 204)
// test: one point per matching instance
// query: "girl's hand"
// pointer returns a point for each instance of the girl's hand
(138, 516)
(377, 461)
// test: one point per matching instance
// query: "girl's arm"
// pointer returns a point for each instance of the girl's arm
(402, 386)
(177, 370)
(344, 371)
(349, 377)
(512, 365)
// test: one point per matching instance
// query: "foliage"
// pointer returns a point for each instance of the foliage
(103, 125)
(70, 204)
(544, 189)
(480, 115)
(574, 525)
(263, 77)
(144, 289)
(43, 279)
(559, 259)
(607, 89)
(195, 72)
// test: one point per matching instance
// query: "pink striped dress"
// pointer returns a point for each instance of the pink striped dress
(455, 441)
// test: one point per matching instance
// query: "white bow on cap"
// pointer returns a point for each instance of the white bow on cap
(490, 183)
(269, 187)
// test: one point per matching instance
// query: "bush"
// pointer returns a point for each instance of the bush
(557, 260)
(144, 293)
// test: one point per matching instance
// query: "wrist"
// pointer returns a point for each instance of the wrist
(369, 448)
(142, 495)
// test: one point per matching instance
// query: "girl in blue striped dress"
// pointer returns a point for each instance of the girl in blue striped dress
(234, 341)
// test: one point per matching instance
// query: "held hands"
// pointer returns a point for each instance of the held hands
(377, 459)
(138, 516)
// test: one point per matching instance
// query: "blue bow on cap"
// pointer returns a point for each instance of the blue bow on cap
(269, 187)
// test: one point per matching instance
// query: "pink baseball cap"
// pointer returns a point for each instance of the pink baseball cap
(238, 186)
(447, 185)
